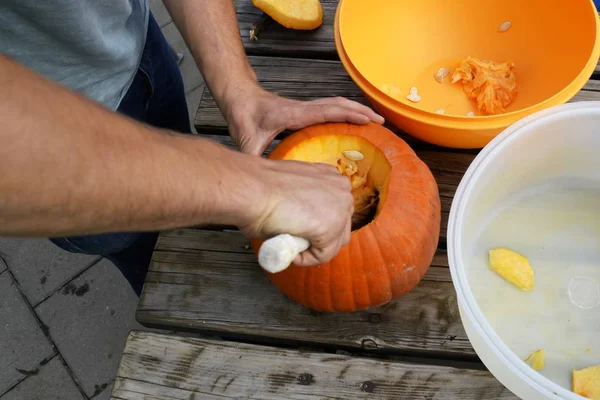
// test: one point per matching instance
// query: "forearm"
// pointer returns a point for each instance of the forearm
(210, 30)
(68, 166)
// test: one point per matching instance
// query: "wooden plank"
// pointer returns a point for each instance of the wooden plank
(447, 168)
(279, 41)
(210, 281)
(304, 79)
(157, 366)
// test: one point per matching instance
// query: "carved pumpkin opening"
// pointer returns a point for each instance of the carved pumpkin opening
(369, 176)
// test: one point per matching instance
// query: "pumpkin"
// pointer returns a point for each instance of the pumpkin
(396, 232)
(292, 14)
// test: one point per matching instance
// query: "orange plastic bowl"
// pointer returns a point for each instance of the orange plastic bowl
(555, 47)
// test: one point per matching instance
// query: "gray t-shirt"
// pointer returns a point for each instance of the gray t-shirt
(91, 46)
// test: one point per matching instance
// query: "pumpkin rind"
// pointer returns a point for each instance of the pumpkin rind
(293, 14)
(384, 259)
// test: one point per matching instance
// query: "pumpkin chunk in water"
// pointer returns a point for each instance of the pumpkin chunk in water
(492, 85)
(364, 194)
(536, 359)
(586, 382)
(512, 267)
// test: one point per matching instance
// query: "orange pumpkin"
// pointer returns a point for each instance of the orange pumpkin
(390, 254)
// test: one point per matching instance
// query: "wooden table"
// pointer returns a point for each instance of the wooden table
(264, 346)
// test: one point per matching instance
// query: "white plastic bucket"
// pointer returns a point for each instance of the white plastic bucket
(531, 190)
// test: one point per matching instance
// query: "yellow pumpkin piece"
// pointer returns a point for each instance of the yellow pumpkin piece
(586, 382)
(536, 359)
(293, 14)
(512, 267)
(492, 85)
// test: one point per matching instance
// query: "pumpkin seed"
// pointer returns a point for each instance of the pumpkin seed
(440, 111)
(354, 155)
(504, 26)
(415, 98)
(413, 90)
(470, 114)
(441, 74)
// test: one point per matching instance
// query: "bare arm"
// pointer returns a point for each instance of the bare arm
(209, 27)
(255, 116)
(68, 166)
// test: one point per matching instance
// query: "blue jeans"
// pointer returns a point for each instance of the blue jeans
(156, 97)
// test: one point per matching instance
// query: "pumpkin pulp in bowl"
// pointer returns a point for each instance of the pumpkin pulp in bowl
(404, 43)
(396, 222)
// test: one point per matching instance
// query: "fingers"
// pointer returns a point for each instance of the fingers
(315, 256)
(320, 113)
(353, 105)
(254, 137)
(318, 255)
(335, 109)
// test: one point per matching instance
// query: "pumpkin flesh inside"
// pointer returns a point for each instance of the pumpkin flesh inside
(369, 177)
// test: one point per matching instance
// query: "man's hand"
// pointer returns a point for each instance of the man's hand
(308, 200)
(256, 116)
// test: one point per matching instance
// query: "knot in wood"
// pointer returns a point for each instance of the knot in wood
(368, 343)
(367, 386)
(375, 318)
(306, 379)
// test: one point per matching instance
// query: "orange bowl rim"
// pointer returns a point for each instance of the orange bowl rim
(561, 97)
